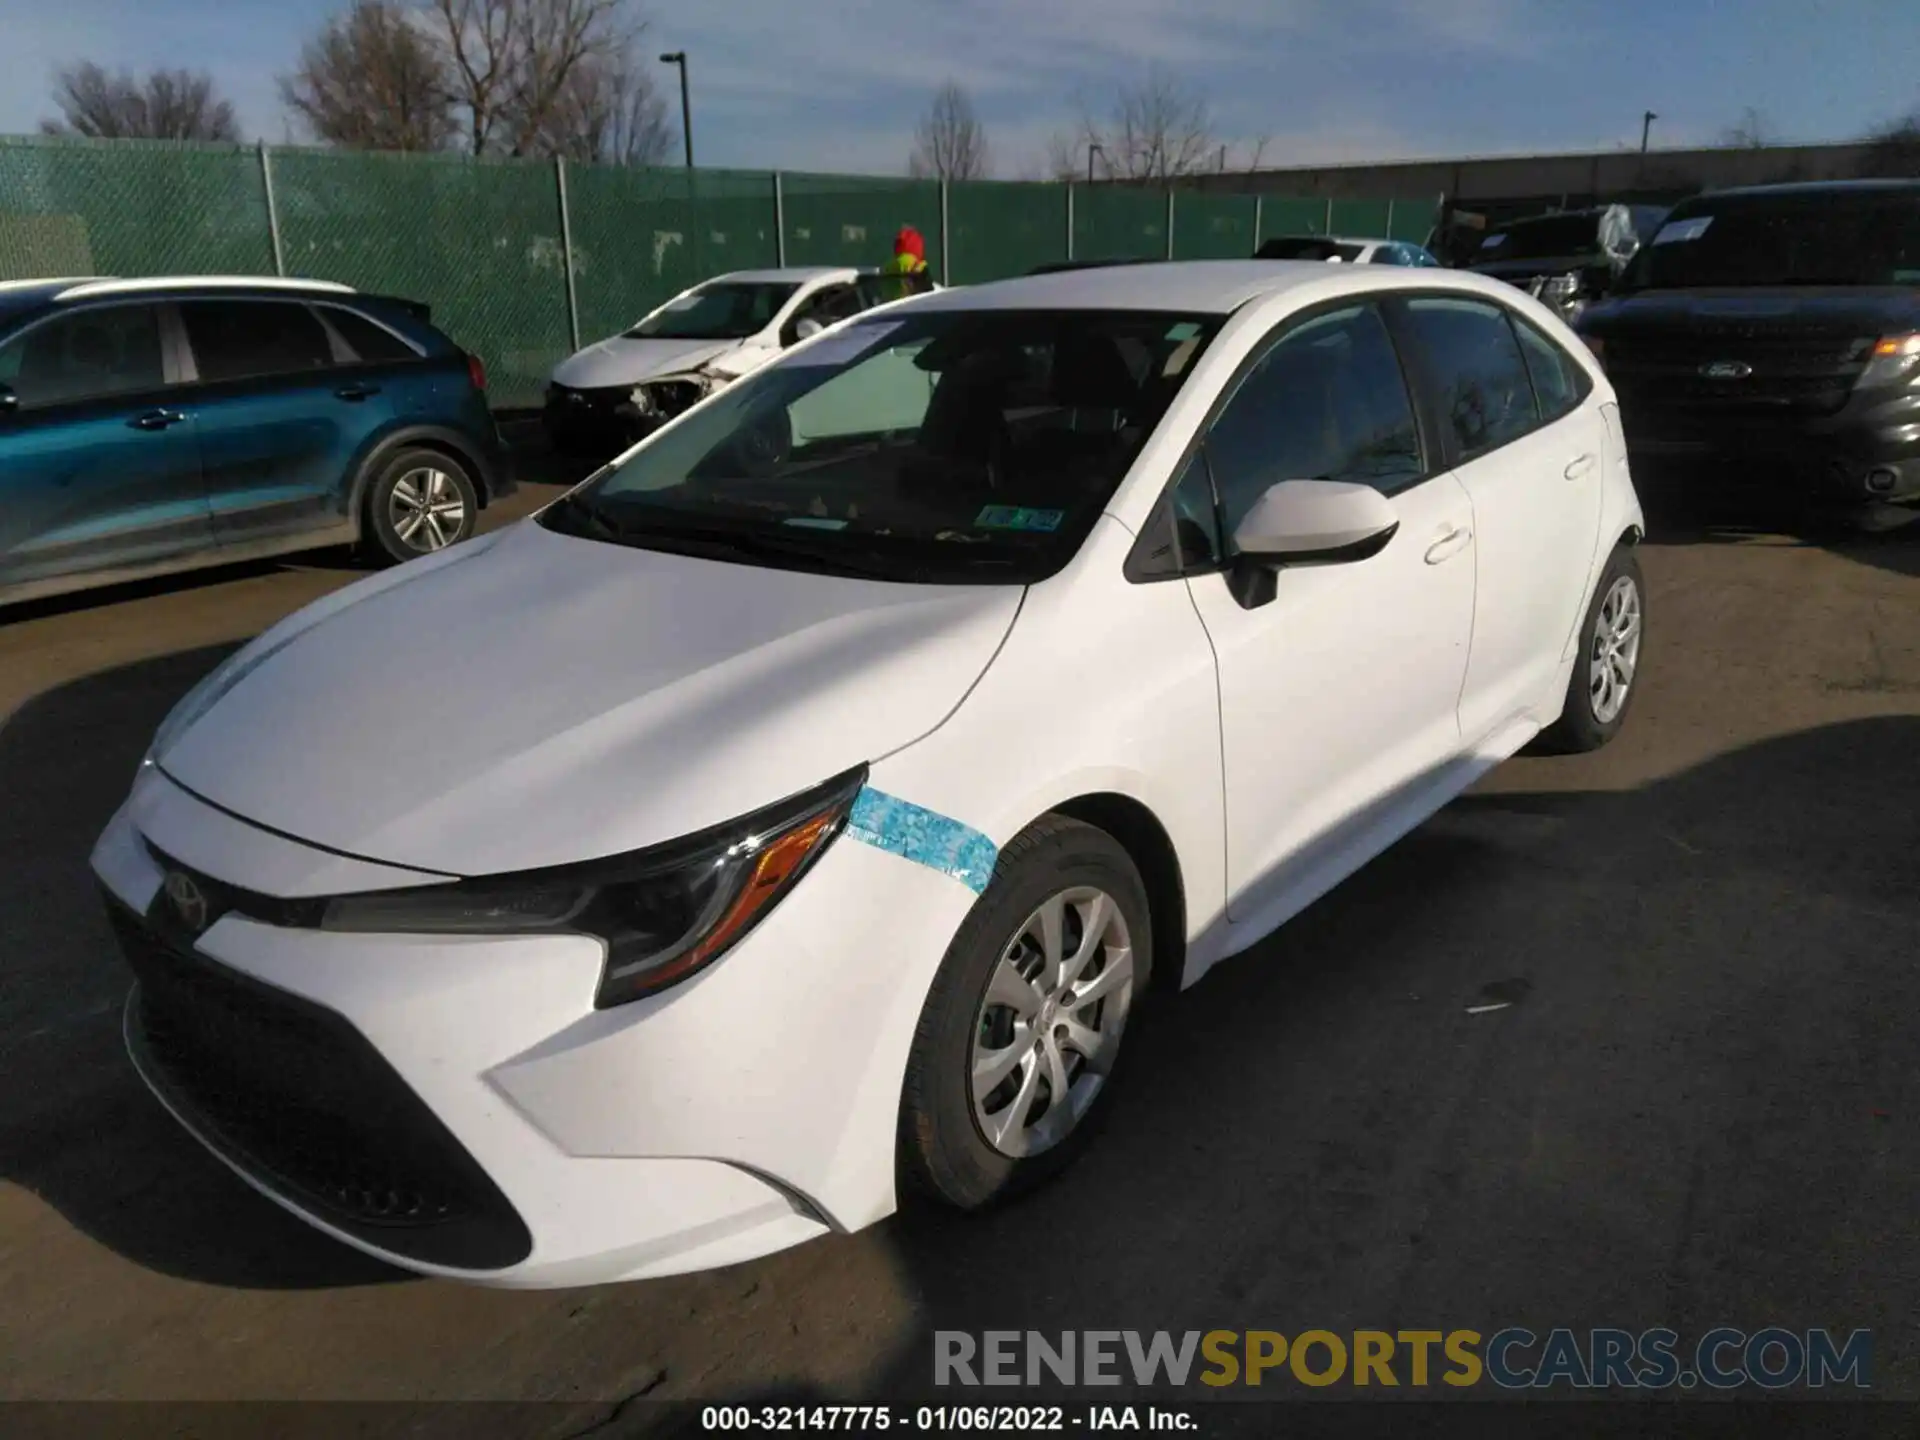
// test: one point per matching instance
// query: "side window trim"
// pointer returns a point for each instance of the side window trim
(1432, 453)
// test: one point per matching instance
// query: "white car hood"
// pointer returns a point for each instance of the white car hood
(620, 361)
(547, 699)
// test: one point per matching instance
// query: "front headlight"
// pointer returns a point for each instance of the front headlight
(664, 913)
(1895, 358)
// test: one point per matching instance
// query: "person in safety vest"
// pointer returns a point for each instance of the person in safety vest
(909, 261)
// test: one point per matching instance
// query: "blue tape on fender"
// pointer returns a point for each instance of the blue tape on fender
(923, 836)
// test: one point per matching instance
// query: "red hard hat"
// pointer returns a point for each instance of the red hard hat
(908, 242)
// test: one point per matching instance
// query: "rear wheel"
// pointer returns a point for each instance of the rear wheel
(1605, 675)
(420, 502)
(1015, 1055)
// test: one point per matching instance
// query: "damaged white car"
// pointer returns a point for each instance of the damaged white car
(616, 391)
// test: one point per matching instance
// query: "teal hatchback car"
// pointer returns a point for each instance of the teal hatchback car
(155, 425)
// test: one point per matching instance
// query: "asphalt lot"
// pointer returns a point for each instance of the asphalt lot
(1701, 1108)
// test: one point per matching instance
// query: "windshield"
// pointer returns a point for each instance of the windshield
(1825, 238)
(1307, 247)
(1541, 239)
(958, 446)
(718, 310)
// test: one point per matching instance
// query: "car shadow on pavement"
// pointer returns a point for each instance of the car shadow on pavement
(1578, 1059)
(77, 1127)
(1891, 542)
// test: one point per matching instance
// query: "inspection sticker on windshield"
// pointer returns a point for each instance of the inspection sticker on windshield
(838, 349)
(1681, 230)
(1492, 240)
(1018, 517)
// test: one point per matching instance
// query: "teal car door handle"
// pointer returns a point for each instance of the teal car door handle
(156, 420)
(357, 393)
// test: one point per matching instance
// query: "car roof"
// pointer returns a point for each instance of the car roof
(1812, 187)
(1192, 287)
(789, 275)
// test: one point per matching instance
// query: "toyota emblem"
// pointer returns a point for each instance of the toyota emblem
(1727, 370)
(188, 902)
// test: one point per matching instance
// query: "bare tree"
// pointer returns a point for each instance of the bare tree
(949, 143)
(373, 79)
(1154, 133)
(1752, 133)
(609, 112)
(1894, 151)
(513, 65)
(1155, 130)
(167, 105)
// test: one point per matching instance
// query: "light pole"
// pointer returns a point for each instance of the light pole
(1646, 125)
(679, 57)
(1093, 150)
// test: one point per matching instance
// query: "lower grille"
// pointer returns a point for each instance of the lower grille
(295, 1096)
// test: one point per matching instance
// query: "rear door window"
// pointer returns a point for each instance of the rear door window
(1559, 384)
(1484, 392)
(91, 354)
(246, 339)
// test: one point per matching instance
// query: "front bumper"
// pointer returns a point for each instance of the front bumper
(456, 1106)
(1860, 454)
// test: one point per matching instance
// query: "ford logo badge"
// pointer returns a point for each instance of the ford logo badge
(1727, 370)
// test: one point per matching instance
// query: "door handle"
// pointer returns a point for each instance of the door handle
(156, 419)
(1579, 467)
(1449, 545)
(357, 392)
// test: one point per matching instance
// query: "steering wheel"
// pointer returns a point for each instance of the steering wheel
(764, 441)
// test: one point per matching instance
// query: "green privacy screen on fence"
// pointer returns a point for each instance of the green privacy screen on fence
(489, 244)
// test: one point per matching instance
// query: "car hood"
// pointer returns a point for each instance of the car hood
(1853, 310)
(546, 699)
(620, 361)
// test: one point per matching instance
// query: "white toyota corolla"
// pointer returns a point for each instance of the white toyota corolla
(798, 810)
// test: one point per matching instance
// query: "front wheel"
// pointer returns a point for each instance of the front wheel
(1604, 675)
(1014, 1058)
(421, 501)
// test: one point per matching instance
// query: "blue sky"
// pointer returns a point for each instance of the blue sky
(837, 84)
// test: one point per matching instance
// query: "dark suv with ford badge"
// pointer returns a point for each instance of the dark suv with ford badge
(1770, 338)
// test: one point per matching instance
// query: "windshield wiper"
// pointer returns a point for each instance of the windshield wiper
(581, 518)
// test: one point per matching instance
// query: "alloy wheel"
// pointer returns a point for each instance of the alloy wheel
(1050, 1023)
(1614, 654)
(426, 509)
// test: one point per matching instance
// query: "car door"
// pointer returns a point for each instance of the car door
(1529, 454)
(1338, 694)
(98, 466)
(278, 418)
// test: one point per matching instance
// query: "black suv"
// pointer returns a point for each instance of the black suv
(1569, 259)
(1773, 335)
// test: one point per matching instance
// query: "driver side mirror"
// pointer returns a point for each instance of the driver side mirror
(1307, 522)
(805, 330)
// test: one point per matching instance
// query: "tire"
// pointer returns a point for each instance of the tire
(968, 1152)
(394, 500)
(1592, 719)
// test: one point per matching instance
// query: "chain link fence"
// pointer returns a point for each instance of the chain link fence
(524, 260)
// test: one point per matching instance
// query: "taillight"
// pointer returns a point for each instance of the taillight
(477, 372)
